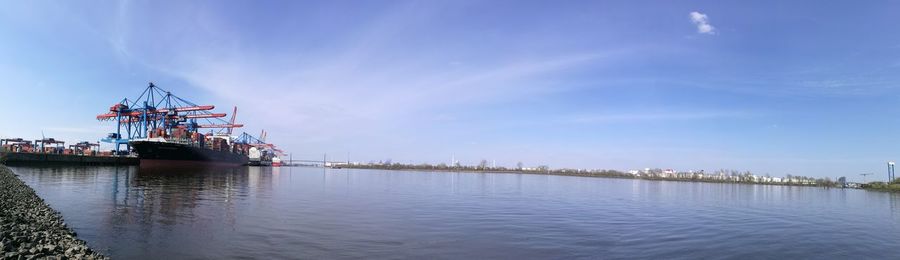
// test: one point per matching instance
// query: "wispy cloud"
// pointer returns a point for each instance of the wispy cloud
(655, 116)
(365, 85)
(120, 31)
(702, 22)
(324, 102)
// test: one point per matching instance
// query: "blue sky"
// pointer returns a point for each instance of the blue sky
(803, 88)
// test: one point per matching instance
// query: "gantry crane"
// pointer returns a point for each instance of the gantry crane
(159, 112)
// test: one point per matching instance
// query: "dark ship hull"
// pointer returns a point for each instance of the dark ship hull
(153, 153)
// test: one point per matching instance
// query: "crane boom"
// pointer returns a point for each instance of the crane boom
(233, 114)
(158, 117)
(214, 115)
(221, 126)
(186, 109)
(157, 111)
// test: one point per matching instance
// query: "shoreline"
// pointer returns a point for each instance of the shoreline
(29, 228)
(589, 175)
(891, 187)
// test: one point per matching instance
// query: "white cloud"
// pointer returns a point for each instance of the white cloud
(702, 22)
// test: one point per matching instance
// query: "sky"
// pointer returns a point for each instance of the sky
(773, 87)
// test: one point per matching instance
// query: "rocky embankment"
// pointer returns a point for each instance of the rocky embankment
(30, 229)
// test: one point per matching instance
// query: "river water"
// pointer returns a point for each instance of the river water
(315, 213)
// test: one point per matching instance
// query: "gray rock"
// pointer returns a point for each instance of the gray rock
(30, 229)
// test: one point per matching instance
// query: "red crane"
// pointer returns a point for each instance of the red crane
(112, 114)
(221, 126)
(233, 114)
(214, 115)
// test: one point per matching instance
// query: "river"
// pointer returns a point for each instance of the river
(315, 213)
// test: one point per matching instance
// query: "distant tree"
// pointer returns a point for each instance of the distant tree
(519, 166)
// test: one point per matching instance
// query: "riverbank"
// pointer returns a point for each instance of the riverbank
(600, 174)
(883, 186)
(30, 229)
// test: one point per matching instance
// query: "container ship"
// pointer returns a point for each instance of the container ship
(166, 130)
(164, 152)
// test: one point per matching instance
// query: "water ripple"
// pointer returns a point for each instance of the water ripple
(311, 213)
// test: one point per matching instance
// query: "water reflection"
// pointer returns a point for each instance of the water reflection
(147, 204)
(314, 213)
(158, 198)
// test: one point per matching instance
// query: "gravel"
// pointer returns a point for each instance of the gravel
(30, 229)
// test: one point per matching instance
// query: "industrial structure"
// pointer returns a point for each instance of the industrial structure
(160, 126)
(18, 151)
(155, 126)
(156, 109)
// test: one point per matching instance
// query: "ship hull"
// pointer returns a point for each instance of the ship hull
(175, 154)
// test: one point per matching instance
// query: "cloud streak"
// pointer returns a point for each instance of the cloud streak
(364, 87)
(655, 117)
(324, 101)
